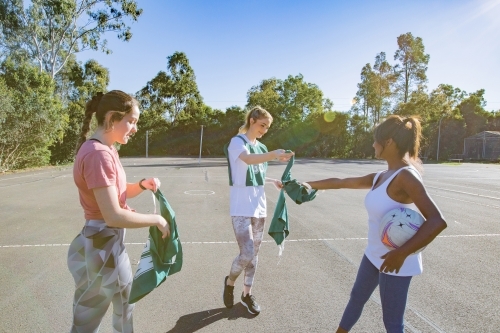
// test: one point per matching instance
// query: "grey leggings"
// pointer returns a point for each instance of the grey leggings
(100, 266)
(249, 232)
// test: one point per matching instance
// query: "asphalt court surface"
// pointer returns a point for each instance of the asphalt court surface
(304, 291)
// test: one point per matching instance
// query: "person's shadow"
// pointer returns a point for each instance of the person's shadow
(196, 321)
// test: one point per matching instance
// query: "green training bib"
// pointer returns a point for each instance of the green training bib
(256, 173)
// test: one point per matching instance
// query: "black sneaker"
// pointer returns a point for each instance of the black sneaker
(250, 303)
(227, 295)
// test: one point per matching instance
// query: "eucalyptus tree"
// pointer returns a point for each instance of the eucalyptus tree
(382, 79)
(412, 67)
(48, 32)
(173, 93)
(373, 98)
(362, 100)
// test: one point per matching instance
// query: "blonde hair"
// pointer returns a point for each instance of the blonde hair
(255, 113)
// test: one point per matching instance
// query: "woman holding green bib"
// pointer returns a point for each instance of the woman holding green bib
(247, 165)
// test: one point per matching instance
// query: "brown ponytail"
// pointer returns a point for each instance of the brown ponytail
(414, 144)
(405, 132)
(115, 101)
(90, 109)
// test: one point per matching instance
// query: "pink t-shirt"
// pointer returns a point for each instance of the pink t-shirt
(97, 165)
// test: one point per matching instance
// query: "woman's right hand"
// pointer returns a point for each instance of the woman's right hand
(163, 226)
(282, 155)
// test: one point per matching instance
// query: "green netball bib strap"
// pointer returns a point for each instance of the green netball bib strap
(256, 174)
(226, 152)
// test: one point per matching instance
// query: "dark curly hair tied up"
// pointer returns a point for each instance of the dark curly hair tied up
(405, 132)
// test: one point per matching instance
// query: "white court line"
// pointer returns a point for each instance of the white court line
(264, 241)
(33, 174)
(466, 186)
(461, 192)
(476, 203)
(199, 192)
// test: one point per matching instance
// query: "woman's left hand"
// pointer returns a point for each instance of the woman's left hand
(152, 184)
(393, 261)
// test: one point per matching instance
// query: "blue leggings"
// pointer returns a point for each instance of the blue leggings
(393, 295)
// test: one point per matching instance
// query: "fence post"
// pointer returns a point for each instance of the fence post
(439, 137)
(201, 141)
(147, 143)
(484, 144)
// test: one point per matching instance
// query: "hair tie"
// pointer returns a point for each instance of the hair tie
(407, 123)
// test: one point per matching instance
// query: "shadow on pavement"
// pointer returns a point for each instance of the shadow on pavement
(195, 321)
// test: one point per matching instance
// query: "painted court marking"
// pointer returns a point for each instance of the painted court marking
(199, 192)
(265, 241)
(475, 203)
(462, 192)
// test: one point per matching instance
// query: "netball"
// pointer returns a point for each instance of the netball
(398, 226)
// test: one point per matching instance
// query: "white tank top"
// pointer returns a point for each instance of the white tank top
(378, 203)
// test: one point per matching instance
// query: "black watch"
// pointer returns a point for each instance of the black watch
(140, 184)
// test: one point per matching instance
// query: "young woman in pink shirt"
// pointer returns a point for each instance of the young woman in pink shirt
(97, 258)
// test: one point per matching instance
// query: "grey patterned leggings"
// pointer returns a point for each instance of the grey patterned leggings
(100, 266)
(249, 232)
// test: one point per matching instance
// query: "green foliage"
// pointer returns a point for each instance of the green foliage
(361, 137)
(288, 100)
(31, 118)
(49, 32)
(472, 110)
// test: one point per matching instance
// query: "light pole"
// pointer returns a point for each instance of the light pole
(439, 137)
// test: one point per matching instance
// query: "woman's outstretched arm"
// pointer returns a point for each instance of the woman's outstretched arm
(364, 182)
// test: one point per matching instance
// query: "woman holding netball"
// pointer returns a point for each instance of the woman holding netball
(247, 164)
(97, 258)
(397, 141)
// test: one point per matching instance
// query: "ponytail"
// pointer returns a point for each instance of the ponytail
(90, 108)
(405, 132)
(413, 125)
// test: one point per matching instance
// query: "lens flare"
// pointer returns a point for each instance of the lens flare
(329, 116)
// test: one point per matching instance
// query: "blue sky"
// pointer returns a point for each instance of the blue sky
(234, 45)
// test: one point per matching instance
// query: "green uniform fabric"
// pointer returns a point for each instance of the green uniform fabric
(253, 178)
(279, 228)
(160, 257)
